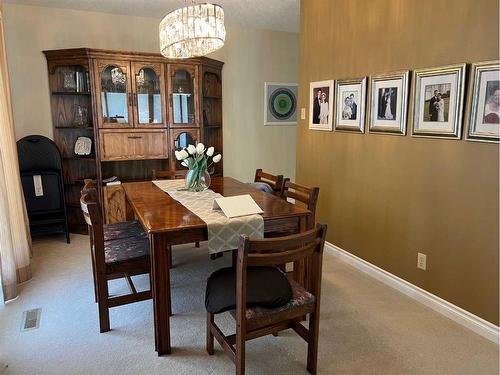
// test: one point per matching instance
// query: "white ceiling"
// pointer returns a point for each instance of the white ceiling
(282, 15)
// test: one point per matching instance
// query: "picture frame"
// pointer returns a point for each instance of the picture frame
(321, 98)
(350, 104)
(388, 103)
(483, 100)
(437, 101)
(280, 103)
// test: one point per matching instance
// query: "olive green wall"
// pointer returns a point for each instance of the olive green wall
(385, 197)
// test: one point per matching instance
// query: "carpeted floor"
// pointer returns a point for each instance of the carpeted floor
(366, 327)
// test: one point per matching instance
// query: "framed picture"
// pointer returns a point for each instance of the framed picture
(483, 103)
(437, 98)
(388, 103)
(280, 103)
(350, 105)
(321, 105)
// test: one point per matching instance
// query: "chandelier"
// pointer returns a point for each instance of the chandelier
(194, 30)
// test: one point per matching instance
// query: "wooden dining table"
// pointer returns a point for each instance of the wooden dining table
(168, 222)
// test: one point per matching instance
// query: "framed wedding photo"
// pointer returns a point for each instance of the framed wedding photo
(388, 103)
(438, 99)
(280, 103)
(350, 105)
(321, 105)
(483, 103)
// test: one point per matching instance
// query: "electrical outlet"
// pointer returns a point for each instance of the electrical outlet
(422, 261)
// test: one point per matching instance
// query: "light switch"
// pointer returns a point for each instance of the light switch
(302, 113)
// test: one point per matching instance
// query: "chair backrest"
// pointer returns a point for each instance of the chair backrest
(276, 182)
(93, 217)
(36, 152)
(168, 175)
(307, 246)
(303, 194)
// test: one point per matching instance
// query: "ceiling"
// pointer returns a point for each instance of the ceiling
(281, 15)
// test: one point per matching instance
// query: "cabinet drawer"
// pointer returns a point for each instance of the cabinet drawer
(133, 145)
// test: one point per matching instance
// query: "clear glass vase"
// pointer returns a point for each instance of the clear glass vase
(198, 180)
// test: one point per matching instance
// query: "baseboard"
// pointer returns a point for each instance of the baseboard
(455, 313)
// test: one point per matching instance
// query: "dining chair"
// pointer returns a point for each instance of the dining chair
(113, 258)
(113, 231)
(170, 175)
(300, 194)
(268, 182)
(262, 299)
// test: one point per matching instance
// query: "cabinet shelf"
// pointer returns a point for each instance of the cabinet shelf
(62, 93)
(79, 157)
(75, 127)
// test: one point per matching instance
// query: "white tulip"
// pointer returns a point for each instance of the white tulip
(200, 147)
(217, 158)
(185, 164)
(191, 149)
(183, 154)
(210, 151)
(177, 155)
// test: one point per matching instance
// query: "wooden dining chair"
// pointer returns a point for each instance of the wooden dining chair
(262, 298)
(113, 231)
(274, 182)
(111, 259)
(303, 195)
(168, 175)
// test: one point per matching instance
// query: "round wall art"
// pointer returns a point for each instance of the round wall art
(280, 104)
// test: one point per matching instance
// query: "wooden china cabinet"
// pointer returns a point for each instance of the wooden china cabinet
(137, 109)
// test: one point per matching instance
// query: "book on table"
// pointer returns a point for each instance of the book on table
(239, 205)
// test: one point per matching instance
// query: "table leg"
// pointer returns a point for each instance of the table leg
(160, 287)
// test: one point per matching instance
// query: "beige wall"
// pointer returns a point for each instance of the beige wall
(251, 57)
(386, 197)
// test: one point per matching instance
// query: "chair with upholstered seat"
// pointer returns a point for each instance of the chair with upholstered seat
(262, 298)
(268, 183)
(113, 258)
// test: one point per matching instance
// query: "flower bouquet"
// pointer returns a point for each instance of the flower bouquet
(197, 159)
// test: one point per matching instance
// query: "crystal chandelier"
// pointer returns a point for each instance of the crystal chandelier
(194, 30)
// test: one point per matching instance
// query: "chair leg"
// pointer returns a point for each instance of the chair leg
(312, 348)
(240, 355)
(170, 257)
(197, 244)
(210, 337)
(102, 303)
(94, 275)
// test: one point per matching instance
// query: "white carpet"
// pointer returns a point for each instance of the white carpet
(366, 327)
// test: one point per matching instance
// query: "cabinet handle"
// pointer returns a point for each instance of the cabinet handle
(135, 99)
(134, 137)
(130, 99)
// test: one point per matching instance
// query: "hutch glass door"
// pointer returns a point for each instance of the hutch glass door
(183, 93)
(148, 96)
(115, 97)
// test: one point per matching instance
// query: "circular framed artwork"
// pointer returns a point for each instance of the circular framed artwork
(280, 106)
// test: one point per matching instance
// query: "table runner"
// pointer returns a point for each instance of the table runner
(223, 233)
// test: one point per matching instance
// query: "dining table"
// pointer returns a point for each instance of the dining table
(167, 222)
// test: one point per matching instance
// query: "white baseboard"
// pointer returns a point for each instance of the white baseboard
(455, 313)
